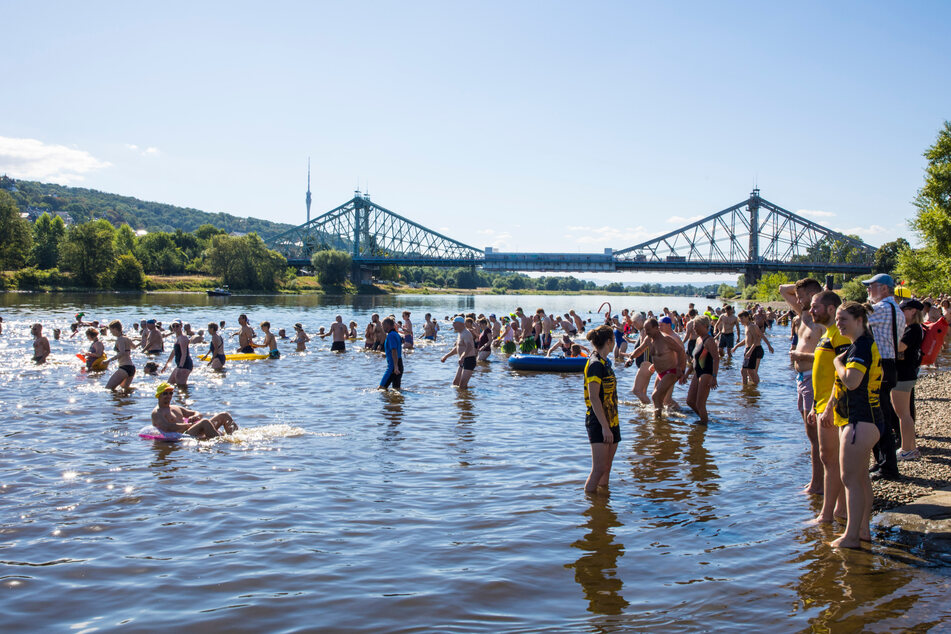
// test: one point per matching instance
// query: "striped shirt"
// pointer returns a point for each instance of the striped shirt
(880, 321)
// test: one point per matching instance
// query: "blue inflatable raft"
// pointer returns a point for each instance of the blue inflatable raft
(541, 363)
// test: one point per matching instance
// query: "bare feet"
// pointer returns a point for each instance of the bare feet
(841, 542)
(811, 489)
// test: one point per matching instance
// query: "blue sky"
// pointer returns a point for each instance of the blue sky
(549, 126)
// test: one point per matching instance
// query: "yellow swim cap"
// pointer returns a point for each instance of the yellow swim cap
(162, 388)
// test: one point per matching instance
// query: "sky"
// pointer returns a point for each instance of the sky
(526, 126)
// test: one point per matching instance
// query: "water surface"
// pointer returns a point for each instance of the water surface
(338, 507)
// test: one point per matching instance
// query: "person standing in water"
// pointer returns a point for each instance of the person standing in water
(429, 328)
(601, 418)
(799, 297)
(96, 354)
(122, 377)
(182, 356)
(270, 341)
(301, 337)
(858, 382)
(407, 331)
(41, 345)
(754, 349)
(465, 348)
(246, 343)
(706, 365)
(338, 334)
(216, 349)
(393, 349)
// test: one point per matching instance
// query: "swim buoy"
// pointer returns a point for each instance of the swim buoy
(933, 342)
(151, 433)
(98, 365)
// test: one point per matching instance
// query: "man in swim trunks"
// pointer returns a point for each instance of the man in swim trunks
(245, 336)
(393, 350)
(168, 418)
(429, 328)
(270, 341)
(579, 323)
(152, 340)
(465, 348)
(726, 326)
(668, 357)
(41, 345)
(338, 334)
(407, 331)
(831, 344)
(754, 349)
(799, 297)
(547, 325)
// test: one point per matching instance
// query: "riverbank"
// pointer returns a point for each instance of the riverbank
(933, 430)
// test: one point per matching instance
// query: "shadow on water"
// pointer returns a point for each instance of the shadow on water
(596, 569)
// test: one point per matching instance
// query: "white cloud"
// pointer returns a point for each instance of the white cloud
(680, 220)
(32, 159)
(501, 240)
(815, 213)
(149, 151)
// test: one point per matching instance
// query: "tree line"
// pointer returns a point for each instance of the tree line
(97, 254)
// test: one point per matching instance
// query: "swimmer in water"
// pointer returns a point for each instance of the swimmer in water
(301, 337)
(41, 345)
(601, 419)
(465, 349)
(216, 349)
(182, 356)
(245, 336)
(96, 350)
(122, 377)
(407, 331)
(754, 349)
(270, 341)
(393, 349)
(429, 328)
(176, 419)
(338, 333)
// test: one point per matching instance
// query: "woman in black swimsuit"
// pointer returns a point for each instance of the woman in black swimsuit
(122, 377)
(183, 359)
(216, 349)
(706, 365)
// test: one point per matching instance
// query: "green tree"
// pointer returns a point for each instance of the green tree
(854, 291)
(206, 232)
(331, 266)
(927, 269)
(159, 253)
(128, 273)
(16, 236)
(48, 234)
(89, 252)
(614, 287)
(246, 262)
(886, 256)
(726, 291)
(125, 240)
(767, 289)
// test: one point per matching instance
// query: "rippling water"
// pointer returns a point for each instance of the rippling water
(338, 507)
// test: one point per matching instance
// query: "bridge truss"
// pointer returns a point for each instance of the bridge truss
(750, 237)
(372, 235)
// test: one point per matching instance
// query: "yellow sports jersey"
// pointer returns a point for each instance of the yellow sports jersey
(597, 371)
(862, 403)
(832, 344)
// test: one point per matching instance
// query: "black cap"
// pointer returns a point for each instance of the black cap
(912, 303)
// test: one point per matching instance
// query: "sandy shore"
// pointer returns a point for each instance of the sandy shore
(933, 430)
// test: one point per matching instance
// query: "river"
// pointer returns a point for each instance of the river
(338, 507)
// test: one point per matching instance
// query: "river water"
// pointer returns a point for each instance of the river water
(341, 508)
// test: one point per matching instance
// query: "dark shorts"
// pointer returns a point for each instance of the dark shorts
(726, 340)
(338, 346)
(392, 379)
(154, 352)
(751, 361)
(274, 354)
(468, 363)
(221, 358)
(377, 346)
(595, 434)
(246, 350)
(128, 369)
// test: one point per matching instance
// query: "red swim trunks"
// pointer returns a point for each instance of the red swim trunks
(661, 375)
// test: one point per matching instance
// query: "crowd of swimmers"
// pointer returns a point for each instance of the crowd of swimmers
(856, 367)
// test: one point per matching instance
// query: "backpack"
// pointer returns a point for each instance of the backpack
(933, 340)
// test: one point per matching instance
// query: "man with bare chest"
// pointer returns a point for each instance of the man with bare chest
(668, 358)
(799, 297)
(728, 331)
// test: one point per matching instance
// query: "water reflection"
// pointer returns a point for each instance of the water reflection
(596, 570)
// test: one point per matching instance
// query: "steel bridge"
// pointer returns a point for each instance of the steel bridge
(751, 237)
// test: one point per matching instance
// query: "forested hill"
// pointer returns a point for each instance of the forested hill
(86, 204)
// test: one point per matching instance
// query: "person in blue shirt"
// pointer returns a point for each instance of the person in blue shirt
(393, 349)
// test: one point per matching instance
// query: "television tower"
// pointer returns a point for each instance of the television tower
(308, 189)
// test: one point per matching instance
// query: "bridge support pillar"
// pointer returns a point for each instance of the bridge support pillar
(752, 275)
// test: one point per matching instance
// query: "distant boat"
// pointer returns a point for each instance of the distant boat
(220, 292)
(708, 296)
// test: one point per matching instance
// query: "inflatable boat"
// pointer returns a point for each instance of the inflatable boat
(541, 363)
